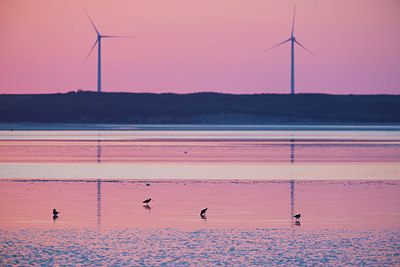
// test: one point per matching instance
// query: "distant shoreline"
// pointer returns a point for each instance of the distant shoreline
(200, 109)
(35, 126)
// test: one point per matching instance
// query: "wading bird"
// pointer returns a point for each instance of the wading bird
(203, 213)
(147, 201)
(55, 212)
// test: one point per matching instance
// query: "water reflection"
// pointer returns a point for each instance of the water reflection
(205, 147)
(98, 201)
(98, 185)
(292, 150)
(98, 150)
(234, 204)
(291, 200)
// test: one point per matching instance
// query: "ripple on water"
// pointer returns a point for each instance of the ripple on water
(202, 247)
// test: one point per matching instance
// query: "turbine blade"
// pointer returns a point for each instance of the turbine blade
(281, 43)
(90, 51)
(115, 36)
(305, 48)
(294, 15)
(91, 21)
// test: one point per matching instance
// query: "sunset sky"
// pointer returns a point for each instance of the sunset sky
(184, 46)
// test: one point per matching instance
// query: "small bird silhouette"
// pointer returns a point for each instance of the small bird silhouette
(147, 201)
(203, 213)
(55, 212)
(297, 216)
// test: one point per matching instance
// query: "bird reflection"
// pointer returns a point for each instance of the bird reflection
(147, 207)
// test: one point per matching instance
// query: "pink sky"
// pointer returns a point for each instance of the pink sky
(184, 46)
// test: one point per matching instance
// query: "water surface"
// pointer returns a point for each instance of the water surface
(203, 152)
(231, 204)
(344, 180)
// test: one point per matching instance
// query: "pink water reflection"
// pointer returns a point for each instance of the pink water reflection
(203, 151)
(231, 204)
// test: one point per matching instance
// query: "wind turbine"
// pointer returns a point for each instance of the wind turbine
(292, 41)
(98, 43)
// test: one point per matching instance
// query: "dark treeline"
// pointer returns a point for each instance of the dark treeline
(199, 108)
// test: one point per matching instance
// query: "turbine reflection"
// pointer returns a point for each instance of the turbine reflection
(98, 202)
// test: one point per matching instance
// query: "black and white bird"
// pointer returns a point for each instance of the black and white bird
(297, 216)
(147, 201)
(203, 213)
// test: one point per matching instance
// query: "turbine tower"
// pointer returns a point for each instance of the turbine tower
(98, 43)
(292, 40)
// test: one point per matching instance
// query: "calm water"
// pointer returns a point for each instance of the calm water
(231, 204)
(344, 180)
(225, 152)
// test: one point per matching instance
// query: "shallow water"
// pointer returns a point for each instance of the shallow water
(172, 247)
(247, 223)
(231, 204)
(344, 180)
(203, 152)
